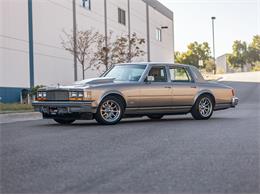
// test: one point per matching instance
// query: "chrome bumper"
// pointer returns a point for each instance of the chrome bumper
(63, 107)
(234, 101)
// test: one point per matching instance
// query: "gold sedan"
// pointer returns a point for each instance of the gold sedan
(133, 90)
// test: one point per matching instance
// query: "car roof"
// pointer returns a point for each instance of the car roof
(155, 63)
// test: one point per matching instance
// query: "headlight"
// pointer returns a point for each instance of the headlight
(73, 94)
(41, 95)
(81, 94)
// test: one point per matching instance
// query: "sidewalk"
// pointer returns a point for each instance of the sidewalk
(16, 117)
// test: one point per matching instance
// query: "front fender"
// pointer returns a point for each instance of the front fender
(110, 92)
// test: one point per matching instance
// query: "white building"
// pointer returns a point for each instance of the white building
(30, 39)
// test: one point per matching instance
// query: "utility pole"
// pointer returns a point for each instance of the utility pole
(213, 39)
(75, 40)
(31, 50)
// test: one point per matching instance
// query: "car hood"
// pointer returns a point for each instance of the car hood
(83, 84)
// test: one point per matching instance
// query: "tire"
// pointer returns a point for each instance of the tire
(155, 116)
(203, 107)
(64, 121)
(110, 111)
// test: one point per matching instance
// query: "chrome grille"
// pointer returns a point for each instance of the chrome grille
(57, 95)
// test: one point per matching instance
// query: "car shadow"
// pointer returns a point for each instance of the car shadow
(144, 121)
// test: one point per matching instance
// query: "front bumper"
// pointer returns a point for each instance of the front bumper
(234, 101)
(63, 107)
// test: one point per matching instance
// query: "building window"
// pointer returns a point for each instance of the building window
(121, 16)
(86, 4)
(158, 34)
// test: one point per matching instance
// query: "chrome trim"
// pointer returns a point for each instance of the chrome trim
(234, 101)
(150, 110)
(84, 106)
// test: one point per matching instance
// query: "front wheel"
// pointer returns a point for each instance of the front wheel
(110, 111)
(64, 121)
(203, 108)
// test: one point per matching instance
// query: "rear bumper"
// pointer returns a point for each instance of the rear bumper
(64, 107)
(234, 102)
(223, 106)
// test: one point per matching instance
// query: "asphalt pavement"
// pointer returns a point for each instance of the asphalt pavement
(173, 155)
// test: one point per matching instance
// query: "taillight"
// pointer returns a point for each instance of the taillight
(233, 92)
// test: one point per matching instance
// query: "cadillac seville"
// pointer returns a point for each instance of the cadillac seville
(136, 90)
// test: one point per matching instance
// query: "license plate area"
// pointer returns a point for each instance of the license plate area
(58, 110)
(53, 110)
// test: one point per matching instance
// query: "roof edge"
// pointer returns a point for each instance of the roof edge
(160, 8)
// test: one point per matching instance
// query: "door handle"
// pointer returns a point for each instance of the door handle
(168, 87)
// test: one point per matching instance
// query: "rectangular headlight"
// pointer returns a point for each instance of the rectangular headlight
(39, 95)
(73, 94)
(81, 94)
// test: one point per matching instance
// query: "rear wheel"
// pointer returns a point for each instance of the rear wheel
(64, 121)
(203, 108)
(110, 111)
(155, 116)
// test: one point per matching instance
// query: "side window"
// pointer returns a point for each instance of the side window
(179, 75)
(86, 4)
(121, 16)
(158, 34)
(159, 74)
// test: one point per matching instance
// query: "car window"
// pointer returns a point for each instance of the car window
(179, 75)
(126, 72)
(159, 74)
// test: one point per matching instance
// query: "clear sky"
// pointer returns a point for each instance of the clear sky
(236, 20)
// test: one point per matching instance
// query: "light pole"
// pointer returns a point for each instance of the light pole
(75, 40)
(213, 39)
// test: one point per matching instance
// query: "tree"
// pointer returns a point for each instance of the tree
(194, 54)
(85, 43)
(134, 44)
(239, 56)
(254, 51)
(121, 50)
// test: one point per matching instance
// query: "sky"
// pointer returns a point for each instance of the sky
(235, 20)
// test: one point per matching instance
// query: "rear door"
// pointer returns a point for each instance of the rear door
(183, 87)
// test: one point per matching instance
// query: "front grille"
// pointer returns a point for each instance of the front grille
(57, 95)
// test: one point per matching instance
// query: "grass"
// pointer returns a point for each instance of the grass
(15, 107)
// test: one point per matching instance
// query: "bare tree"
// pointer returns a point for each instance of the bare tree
(123, 49)
(105, 53)
(135, 44)
(86, 43)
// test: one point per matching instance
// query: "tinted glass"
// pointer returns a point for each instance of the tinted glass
(126, 72)
(159, 74)
(179, 75)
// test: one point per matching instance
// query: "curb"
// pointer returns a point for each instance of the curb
(16, 117)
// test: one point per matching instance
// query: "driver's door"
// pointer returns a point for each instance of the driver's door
(156, 93)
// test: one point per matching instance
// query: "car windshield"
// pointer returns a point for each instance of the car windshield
(130, 72)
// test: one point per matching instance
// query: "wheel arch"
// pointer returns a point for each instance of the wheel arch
(115, 94)
(204, 92)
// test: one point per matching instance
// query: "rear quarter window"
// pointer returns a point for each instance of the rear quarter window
(196, 74)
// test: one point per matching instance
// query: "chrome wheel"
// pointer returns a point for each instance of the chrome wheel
(110, 111)
(205, 107)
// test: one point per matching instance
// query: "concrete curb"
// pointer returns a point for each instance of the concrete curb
(16, 117)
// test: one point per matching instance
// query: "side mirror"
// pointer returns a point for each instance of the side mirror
(150, 78)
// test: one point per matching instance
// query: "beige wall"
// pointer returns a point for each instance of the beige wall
(50, 17)
(14, 61)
